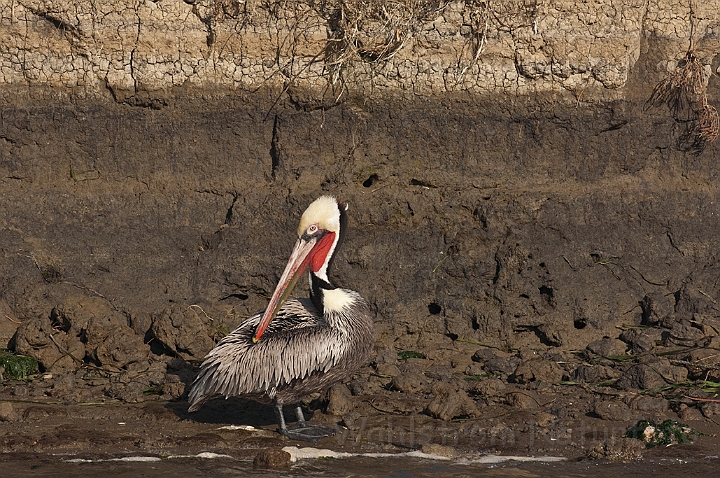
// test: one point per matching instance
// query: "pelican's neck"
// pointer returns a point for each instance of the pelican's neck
(332, 302)
(319, 283)
(326, 297)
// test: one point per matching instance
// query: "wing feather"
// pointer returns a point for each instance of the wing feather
(297, 344)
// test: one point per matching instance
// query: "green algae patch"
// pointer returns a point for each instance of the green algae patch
(666, 433)
(17, 367)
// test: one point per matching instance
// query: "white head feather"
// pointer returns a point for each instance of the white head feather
(324, 212)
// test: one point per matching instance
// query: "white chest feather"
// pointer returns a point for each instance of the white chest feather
(338, 300)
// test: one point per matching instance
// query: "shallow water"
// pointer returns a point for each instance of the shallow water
(399, 466)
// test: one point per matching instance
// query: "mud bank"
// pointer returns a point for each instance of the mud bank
(538, 257)
(553, 264)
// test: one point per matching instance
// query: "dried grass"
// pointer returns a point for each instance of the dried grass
(372, 31)
(708, 124)
(683, 91)
(507, 15)
(369, 32)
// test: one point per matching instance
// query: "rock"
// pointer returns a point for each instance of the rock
(613, 411)
(172, 390)
(655, 307)
(482, 355)
(387, 369)
(140, 323)
(20, 391)
(501, 365)
(450, 403)
(81, 328)
(607, 347)
(413, 365)
(703, 364)
(522, 400)
(400, 405)
(689, 301)
(33, 334)
(538, 370)
(671, 373)
(410, 383)
(620, 449)
(494, 361)
(461, 362)
(543, 420)
(63, 384)
(640, 377)
(439, 450)
(550, 334)
(271, 459)
(7, 412)
(386, 356)
(592, 374)
(55, 351)
(689, 413)
(141, 381)
(714, 342)
(709, 324)
(114, 344)
(177, 367)
(133, 392)
(340, 400)
(492, 387)
(684, 333)
(711, 409)
(182, 330)
(640, 340)
(646, 403)
(75, 313)
(359, 387)
(474, 369)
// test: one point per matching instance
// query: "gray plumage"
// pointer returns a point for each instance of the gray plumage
(306, 345)
(301, 352)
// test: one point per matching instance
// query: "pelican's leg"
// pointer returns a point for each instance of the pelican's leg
(280, 418)
(302, 430)
(299, 413)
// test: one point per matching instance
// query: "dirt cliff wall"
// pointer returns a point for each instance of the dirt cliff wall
(506, 185)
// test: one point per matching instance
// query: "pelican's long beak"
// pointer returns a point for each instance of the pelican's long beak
(299, 260)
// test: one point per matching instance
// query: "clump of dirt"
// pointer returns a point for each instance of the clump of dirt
(86, 340)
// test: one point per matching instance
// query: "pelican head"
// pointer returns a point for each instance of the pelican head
(318, 235)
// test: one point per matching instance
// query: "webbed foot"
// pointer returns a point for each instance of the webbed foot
(307, 432)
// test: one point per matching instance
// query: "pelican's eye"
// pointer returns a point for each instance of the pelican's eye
(312, 229)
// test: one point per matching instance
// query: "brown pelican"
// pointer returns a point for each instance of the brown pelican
(309, 345)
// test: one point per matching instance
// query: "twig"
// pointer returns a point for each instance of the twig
(63, 350)
(709, 400)
(201, 310)
(647, 280)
